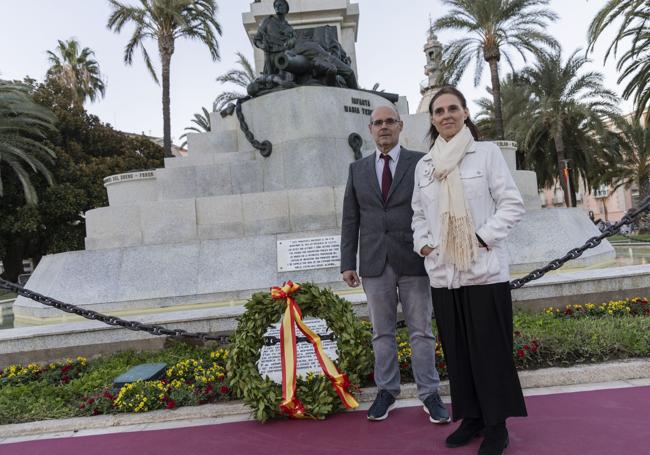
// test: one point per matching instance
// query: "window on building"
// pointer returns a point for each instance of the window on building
(602, 191)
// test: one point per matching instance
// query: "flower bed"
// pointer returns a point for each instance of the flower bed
(190, 382)
(197, 374)
(636, 306)
(53, 373)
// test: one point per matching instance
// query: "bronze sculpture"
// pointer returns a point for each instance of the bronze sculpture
(299, 57)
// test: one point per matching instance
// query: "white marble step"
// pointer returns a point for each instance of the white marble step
(214, 217)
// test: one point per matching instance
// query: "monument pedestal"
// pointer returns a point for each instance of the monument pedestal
(224, 222)
(208, 228)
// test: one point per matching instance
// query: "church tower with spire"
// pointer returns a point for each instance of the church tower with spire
(433, 70)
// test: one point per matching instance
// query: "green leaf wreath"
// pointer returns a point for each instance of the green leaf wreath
(315, 391)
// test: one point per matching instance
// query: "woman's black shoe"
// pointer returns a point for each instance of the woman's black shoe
(496, 440)
(469, 428)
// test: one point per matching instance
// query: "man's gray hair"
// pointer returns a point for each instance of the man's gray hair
(391, 107)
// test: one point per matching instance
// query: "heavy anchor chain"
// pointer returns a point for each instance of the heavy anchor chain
(152, 329)
(223, 340)
(593, 242)
(110, 320)
(265, 147)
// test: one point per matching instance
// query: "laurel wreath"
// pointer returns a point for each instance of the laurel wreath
(315, 391)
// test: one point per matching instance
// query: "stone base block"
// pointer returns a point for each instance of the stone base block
(215, 142)
(220, 217)
(216, 217)
(132, 188)
(526, 182)
(158, 276)
(544, 235)
(312, 208)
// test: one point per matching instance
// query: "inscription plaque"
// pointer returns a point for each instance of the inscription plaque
(270, 363)
(309, 253)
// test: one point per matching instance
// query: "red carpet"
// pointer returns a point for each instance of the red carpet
(603, 422)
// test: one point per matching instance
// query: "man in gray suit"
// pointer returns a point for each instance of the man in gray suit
(377, 219)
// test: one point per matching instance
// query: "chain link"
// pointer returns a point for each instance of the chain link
(223, 340)
(270, 341)
(111, 320)
(593, 242)
(355, 141)
(264, 147)
(152, 329)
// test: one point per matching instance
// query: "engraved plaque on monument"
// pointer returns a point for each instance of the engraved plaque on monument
(270, 362)
(309, 253)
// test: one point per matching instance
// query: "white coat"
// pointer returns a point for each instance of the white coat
(495, 204)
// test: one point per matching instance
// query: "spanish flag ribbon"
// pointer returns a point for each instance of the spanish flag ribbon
(290, 404)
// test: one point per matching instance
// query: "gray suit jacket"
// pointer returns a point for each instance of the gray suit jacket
(381, 232)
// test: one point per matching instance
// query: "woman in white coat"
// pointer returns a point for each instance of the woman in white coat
(464, 204)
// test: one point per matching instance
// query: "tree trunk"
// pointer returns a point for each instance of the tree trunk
(496, 96)
(644, 191)
(559, 151)
(165, 58)
(12, 262)
(574, 187)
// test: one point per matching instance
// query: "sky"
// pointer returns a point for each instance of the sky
(389, 51)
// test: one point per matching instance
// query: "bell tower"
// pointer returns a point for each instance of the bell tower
(433, 70)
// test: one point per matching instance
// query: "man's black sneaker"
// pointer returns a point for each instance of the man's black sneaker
(436, 410)
(384, 402)
(495, 441)
(469, 428)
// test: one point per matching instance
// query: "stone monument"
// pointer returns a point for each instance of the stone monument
(225, 221)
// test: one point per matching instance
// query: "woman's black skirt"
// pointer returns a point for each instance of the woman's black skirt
(475, 329)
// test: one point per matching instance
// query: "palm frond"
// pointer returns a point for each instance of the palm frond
(165, 21)
(23, 126)
(492, 29)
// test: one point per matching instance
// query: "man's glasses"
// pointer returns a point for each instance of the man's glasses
(387, 122)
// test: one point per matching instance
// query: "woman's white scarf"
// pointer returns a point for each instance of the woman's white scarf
(458, 244)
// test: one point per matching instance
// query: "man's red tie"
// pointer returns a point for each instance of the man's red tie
(386, 176)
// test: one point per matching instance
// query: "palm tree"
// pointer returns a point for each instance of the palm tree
(516, 99)
(202, 122)
(635, 62)
(625, 159)
(23, 126)
(565, 106)
(492, 29)
(164, 21)
(76, 70)
(241, 77)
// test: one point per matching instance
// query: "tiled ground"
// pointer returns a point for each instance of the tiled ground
(611, 420)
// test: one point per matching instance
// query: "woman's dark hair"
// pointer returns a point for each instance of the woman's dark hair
(449, 90)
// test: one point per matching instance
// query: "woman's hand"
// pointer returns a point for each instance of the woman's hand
(426, 250)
